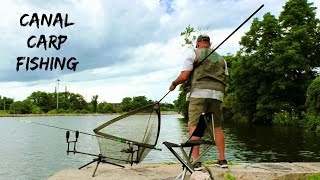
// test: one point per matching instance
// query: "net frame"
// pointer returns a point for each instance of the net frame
(141, 146)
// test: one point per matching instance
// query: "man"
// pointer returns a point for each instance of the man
(208, 82)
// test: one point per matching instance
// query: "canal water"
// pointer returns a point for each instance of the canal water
(30, 151)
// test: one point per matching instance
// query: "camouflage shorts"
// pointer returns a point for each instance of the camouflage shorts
(197, 106)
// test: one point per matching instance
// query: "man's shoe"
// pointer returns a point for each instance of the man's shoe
(222, 163)
(197, 166)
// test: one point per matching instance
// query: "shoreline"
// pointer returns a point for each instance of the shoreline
(241, 171)
(89, 114)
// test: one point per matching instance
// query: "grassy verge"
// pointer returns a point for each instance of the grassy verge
(314, 176)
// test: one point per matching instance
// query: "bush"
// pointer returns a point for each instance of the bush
(77, 111)
(311, 121)
(286, 118)
(313, 97)
(4, 112)
(53, 111)
(36, 110)
(84, 111)
(68, 111)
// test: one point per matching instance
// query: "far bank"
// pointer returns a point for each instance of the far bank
(90, 114)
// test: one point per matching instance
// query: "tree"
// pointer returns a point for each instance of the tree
(77, 102)
(313, 97)
(275, 63)
(181, 104)
(296, 52)
(129, 103)
(105, 107)
(43, 100)
(22, 107)
(140, 101)
(126, 104)
(5, 103)
(94, 102)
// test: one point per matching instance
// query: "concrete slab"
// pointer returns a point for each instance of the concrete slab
(243, 171)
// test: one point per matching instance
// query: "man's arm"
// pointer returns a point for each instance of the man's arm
(183, 77)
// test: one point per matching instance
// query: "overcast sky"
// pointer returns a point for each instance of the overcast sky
(125, 48)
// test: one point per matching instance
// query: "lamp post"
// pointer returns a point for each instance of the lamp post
(58, 94)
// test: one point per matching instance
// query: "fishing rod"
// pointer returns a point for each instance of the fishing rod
(163, 97)
(89, 134)
(197, 65)
(61, 128)
(255, 12)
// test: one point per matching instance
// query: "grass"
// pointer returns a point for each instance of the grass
(169, 163)
(314, 176)
(3, 112)
(227, 176)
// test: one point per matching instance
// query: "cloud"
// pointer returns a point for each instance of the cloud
(124, 48)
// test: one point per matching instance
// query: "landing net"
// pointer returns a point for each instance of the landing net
(130, 137)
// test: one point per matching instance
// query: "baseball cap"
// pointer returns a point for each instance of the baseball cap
(203, 37)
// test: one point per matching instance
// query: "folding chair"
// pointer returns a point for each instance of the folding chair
(205, 123)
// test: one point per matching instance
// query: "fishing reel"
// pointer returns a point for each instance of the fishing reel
(74, 142)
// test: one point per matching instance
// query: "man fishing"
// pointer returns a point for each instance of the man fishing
(208, 81)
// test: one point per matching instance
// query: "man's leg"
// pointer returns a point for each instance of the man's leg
(195, 152)
(215, 107)
(220, 142)
(196, 108)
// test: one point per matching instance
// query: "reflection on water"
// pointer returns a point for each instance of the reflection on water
(30, 151)
(272, 144)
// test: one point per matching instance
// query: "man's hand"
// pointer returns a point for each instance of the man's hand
(172, 87)
(184, 75)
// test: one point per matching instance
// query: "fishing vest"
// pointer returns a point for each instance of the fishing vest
(211, 73)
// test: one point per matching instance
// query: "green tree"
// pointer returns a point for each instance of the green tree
(126, 104)
(188, 36)
(139, 101)
(77, 102)
(5, 103)
(22, 107)
(36, 110)
(167, 107)
(296, 53)
(105, 107)
(245, 75)
(43, 100)
(129, 103)
(311, 118)
(313, 97)
(181, 105)
(275, 64)
(94, 103)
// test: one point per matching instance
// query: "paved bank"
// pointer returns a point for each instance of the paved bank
(243, 171)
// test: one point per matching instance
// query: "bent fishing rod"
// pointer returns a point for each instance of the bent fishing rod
(244, 22)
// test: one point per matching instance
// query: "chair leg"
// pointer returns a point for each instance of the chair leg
(182, 175)
(202, 154)
(187, 158)
(178, 157)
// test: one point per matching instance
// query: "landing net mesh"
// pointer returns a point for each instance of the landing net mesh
(129, 137)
